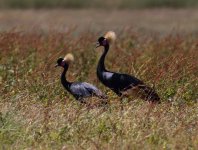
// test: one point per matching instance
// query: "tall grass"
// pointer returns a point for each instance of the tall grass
(119, 4)
(37, 113)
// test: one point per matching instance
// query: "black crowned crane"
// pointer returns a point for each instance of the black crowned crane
(79, 90)
(121, 84)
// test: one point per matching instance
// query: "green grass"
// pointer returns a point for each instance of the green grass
(37, 113)
(129, 4)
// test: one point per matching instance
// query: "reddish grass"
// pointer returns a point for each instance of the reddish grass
(37, 113)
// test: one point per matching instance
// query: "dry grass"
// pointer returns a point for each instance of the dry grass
(37, 113)
(157, 21)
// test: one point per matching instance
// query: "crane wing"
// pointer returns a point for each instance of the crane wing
(93, 90)
(84, 89)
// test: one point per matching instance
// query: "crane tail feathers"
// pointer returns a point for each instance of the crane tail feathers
(148, 93)
(145, 92)
(101, 95)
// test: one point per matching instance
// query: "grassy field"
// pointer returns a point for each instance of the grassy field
(37, 113)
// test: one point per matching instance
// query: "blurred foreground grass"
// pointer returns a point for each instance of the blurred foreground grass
(37, 113)
(118, 4)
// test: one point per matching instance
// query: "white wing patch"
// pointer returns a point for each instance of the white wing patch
(107, 75)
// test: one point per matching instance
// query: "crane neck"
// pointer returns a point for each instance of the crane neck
(64, 81)
(101, 66)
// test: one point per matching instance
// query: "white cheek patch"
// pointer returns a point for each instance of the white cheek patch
(62, 63)
(104, 42)
(107, 75)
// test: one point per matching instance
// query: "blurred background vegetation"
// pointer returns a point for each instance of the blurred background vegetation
(114, 4)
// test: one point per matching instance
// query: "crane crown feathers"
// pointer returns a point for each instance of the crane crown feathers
(69, 58)
(110, 36)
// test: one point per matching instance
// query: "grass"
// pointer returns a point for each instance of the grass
(37, 113)
(118, 4)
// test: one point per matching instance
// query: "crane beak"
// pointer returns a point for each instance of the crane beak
(97, 44)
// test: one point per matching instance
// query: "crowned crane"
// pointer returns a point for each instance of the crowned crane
(121, 84)
(79, 90)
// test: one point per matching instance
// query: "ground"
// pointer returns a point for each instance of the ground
(158, 46)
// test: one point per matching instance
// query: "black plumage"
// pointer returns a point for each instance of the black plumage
(122, 83)
(79, 90)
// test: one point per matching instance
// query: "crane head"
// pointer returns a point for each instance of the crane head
(108, 38)
(64, 62)
(60, 62)
(101, 42)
